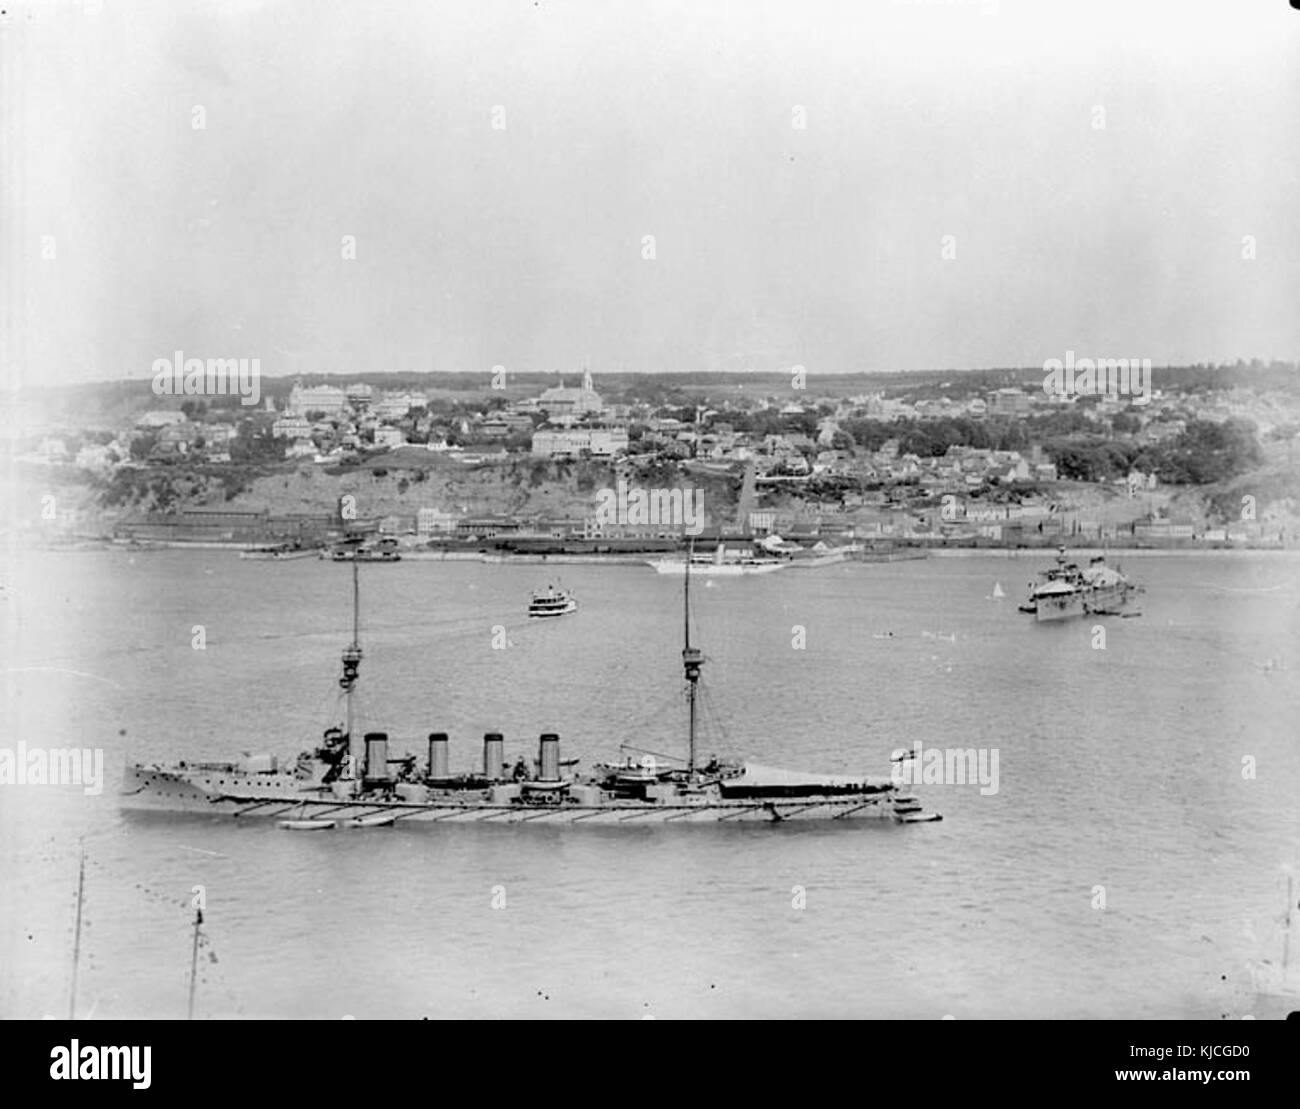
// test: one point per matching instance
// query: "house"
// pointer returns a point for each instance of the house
(393, 406)
(291, 427)
(502, 424)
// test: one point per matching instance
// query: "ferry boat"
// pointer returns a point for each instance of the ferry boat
(348, 780)
(719, 564)
(1066, 590)
(552, 602)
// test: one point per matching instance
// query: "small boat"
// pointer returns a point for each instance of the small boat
(552, 602)
(378, 820)
(320, 824)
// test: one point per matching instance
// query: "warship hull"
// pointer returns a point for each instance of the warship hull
(1101, 601)
(286, 798)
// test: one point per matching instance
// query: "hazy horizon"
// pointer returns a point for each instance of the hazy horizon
(499, 165)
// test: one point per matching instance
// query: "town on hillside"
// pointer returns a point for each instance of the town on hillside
(957, 459)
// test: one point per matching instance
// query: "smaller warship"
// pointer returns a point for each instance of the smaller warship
(1066, 590)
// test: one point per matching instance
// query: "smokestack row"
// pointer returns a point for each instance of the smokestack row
(494, 753)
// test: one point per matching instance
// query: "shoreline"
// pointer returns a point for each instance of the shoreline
(903, 553)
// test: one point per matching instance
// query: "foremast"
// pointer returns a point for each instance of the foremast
(692, 663)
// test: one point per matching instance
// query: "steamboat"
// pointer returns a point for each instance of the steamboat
(721, 563)
(348, 780)
(552, 601)
(1066, 590)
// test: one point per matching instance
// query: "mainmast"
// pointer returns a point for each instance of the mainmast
(76, 943)
(692, 660)
(194, 958)
(352, 660)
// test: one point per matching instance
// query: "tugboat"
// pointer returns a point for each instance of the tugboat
(349, 781)
(1066, 590)
(552, 602)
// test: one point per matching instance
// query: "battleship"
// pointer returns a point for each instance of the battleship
(1066, 590)
(348, 780)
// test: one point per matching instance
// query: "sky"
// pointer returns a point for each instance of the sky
(332, 187)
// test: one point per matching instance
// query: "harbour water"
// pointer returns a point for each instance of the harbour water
(1125, 774)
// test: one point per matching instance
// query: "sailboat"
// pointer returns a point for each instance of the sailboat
(350, 781)
(998, 593)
